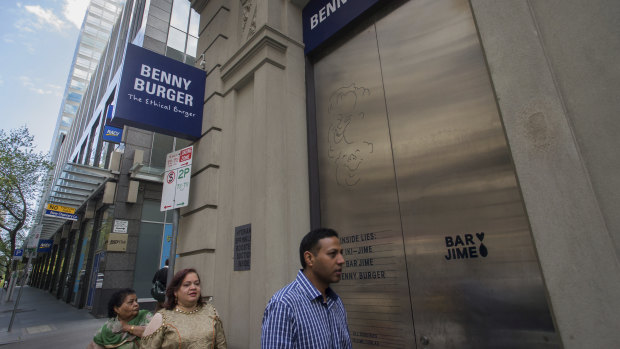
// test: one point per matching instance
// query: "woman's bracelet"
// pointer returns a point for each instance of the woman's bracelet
(131, 329)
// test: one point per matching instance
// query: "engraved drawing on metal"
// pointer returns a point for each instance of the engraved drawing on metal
(345, 149)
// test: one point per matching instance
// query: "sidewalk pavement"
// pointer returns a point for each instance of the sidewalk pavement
(42, 321)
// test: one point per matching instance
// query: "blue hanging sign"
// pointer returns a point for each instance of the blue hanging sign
(63, 215)
(112, 134)
(45, 246)
(160, 94)
(324, 18)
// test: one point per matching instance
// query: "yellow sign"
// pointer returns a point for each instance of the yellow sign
(64, 209)
(117, 242)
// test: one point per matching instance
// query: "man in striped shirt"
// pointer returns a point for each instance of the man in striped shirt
(307, 313)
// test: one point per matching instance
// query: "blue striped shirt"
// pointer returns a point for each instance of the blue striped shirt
(296, 317)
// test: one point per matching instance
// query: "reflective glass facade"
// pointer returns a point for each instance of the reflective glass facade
(96, 28)
(183, 34)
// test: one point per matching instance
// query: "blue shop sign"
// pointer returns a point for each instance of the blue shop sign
(45, 246)
(160, 94)
(63, 215)
(112, 134)
(324, 18)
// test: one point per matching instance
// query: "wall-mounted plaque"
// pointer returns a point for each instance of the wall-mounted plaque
(120, 226)
(243, 247)
(117, 242)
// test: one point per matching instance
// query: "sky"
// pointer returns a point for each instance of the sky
(37, 43)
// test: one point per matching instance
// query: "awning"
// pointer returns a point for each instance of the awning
(73, 188)
(147, 173)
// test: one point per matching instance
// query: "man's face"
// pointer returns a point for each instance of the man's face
(327, 264)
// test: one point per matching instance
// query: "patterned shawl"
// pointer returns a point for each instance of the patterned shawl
(110, 335)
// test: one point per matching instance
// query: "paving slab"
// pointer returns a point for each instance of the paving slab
(42, 321)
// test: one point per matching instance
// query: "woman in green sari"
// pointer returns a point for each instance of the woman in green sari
(126, 324)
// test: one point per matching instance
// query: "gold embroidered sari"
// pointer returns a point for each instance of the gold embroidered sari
(199, 329)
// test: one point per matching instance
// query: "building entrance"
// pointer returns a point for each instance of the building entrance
(416, 175)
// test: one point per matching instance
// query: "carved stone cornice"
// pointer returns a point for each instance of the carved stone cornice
(268, 45)
(248, 18)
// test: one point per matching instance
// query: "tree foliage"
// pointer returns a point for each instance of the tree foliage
(22, 171)
(6, 254)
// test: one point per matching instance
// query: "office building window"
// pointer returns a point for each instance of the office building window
(162, 145)
(74, 97)
(183, 33)
(180, 14)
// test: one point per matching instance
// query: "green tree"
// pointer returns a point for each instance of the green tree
(22, 171)
(6, 254)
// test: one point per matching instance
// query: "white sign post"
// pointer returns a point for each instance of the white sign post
(35, 235)
(177, 175)
(175, 194)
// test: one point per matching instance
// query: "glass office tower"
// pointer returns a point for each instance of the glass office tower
(110, 183)
(94, 34)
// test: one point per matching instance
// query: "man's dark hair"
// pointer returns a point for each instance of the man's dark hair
(310, 242)
(117, 299)
(167, 262)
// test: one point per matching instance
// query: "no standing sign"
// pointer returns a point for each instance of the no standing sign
(177, 175)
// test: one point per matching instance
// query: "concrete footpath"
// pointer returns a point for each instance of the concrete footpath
(42, 321)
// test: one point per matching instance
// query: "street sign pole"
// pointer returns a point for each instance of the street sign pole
(173, 245)
(175, 194)
(12, 280)
(19, 295)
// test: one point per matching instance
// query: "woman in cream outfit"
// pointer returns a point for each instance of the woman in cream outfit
(186, 320)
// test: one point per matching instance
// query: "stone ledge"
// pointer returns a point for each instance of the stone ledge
(266, 46)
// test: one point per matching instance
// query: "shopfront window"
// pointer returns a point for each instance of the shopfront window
(107, 222)
(81, 267)
(152, 237)
(71, 260)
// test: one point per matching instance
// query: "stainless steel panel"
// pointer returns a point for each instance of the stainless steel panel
(358, 192)
(475, 279)
(411, 149)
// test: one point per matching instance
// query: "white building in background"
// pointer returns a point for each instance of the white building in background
(116, 238)
(94, 34)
